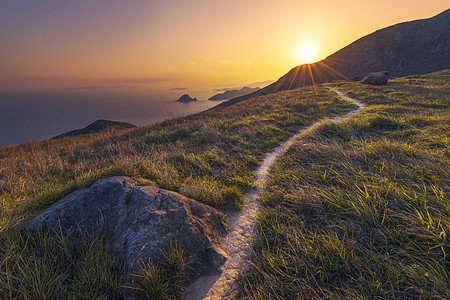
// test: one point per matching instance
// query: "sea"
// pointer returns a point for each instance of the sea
(40, 115)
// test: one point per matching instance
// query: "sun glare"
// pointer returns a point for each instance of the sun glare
(306, 54)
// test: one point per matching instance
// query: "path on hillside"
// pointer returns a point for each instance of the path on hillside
(242, 227)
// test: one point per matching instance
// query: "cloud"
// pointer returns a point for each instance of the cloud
(119, 83)
(259, 84)
(230, 63)
(133, 80)
(106, 87)
(225, 62)
(179, 89)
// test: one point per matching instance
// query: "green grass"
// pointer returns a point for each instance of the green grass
(164, 279)
(57, 265)
(360, 209)
(212, 155)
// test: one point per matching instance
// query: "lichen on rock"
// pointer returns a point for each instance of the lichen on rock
(141, 222)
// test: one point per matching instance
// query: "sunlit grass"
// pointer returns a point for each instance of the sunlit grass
(209, 154)
(212, 155)
(359, 209)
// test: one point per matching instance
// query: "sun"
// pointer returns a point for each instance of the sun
(306, 53)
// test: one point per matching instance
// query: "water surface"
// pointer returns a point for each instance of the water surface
(45, 114)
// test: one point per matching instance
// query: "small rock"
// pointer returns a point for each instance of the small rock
(376, 78)
(182, 191)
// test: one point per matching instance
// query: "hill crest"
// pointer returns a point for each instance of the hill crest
(408, 48)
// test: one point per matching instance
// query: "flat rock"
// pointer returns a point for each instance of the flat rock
(141, 221)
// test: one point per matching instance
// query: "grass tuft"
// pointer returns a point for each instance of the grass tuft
(51, 265)
(165, 279)
(211, 155)
(359, 208)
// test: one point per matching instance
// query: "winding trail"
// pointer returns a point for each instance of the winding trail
(242, 226)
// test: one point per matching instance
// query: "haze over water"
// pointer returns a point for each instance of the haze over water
(45, 114)
(147, 48)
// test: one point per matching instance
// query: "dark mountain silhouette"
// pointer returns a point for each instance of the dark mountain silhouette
(233, 93)
(186, 98)
(97, 126)
(416, 47)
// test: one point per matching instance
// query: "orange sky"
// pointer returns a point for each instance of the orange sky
(168, 44)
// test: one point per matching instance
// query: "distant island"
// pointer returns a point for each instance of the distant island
(95, 127)
(233, 93)
(186, 98)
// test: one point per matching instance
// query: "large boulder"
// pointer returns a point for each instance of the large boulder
(140, 221)
(376, 78)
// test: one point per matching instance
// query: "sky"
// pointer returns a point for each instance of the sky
(177, 44)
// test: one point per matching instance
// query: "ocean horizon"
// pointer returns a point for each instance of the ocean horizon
(37, 116)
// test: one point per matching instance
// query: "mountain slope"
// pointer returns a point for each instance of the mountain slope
(416, 47)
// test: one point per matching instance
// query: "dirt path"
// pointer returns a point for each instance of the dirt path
(243, 228)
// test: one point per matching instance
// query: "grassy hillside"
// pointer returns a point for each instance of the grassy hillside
(212, 155)
(356, 209)
(360, 209)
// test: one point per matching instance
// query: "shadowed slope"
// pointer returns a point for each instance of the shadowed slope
(417, 47)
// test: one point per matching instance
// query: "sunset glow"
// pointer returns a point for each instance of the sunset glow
(306, 54)
(201, 44)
